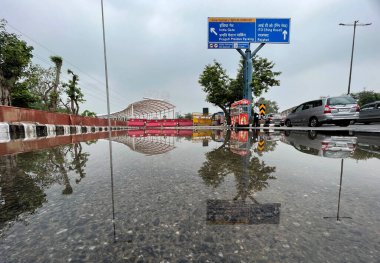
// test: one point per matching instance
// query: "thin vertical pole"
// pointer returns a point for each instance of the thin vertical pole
(109, 122)
(352, 58)
(340, 189)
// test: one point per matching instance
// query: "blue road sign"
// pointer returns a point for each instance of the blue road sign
(230, 32)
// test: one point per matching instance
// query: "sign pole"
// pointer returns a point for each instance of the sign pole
(247, 73)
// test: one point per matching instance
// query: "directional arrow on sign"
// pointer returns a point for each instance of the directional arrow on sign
(284, 33)
(212, 30)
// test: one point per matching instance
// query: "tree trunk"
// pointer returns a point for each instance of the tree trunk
(77, 107)
(5, 88)
(72, 106)
(226, 114)
(54, 102)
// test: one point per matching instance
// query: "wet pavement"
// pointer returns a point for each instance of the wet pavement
(193, 196)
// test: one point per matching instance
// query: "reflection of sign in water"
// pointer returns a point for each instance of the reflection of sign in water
(239, 212)
(261, 145)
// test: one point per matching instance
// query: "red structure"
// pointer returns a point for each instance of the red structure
(14, 114)
(239, 112)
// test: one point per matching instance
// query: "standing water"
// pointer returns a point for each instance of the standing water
(203, 196)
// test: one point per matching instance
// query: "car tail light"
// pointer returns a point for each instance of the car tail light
(325, 145)
(328, 109)
(357, 107)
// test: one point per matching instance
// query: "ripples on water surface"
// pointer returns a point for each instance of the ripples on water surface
(205, 195)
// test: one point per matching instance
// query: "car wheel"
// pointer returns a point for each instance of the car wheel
(313, 122)
(312, 135)
(288, 123)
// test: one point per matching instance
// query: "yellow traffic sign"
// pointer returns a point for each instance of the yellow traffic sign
(262, 109)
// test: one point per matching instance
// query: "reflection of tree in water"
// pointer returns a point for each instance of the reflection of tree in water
(269, 146)
(253, 178)
(19, 192)
(25, 176)
(79, 161)
(251, 174)
(366, 153)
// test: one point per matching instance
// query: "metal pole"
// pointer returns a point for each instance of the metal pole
(247, 73)
(352, 57)
(109, 123)
(352, 50)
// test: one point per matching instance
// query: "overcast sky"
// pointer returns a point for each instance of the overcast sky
(158, 48)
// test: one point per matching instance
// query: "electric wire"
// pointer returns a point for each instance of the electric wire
(66, 61)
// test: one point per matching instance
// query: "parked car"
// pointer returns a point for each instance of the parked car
(321, 144)
(273, 118)
(370, 112)
(337, 110)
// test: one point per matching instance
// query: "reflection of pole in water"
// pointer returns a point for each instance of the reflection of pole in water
(340, 190)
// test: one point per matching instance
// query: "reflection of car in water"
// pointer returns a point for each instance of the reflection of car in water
(369, 143)
(323, 145)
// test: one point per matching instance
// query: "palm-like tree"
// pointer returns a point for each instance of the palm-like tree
(57, 60)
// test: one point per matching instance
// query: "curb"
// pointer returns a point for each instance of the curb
(31, 131)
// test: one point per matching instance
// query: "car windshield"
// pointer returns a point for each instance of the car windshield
(340, 101)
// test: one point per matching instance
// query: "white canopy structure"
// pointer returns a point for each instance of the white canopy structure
(145, 109)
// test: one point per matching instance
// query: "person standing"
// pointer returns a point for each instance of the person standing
(255, 115)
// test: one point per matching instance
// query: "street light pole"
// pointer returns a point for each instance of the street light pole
(352, 51)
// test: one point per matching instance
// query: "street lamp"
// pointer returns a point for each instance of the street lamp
(353, 43)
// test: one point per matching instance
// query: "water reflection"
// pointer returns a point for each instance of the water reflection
(338, 217)
(321, 144)
(339, 145)
(24, 177)
(251, 176)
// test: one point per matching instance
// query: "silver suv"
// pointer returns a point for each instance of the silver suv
(337, 110)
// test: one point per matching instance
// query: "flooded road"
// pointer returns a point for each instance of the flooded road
(184, 196)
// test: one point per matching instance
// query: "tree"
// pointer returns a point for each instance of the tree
(21, 96)
(54, 95)
(365, 96)
(263, 76)
(222, 90)
(74, 94)
(219, 88)
(188, 116)
(15, 55)
(37, 81)
(271, 106)
(88, 113)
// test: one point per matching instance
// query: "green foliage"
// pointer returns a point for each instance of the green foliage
(365, 96)
(54, 96)
(217, 85)
(22, 96)
(57, 60)
(74, 93)
(88, 113)
(271, 106)
(188, 116)
(15, 56)
(38, 81)
(222, 91)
